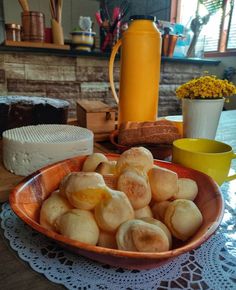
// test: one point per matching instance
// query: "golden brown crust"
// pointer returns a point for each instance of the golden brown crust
(158, 132)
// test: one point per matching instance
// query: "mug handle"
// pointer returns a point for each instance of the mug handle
(229, 178)
(111, 65)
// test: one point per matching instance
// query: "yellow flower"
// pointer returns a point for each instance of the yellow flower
(206, 87)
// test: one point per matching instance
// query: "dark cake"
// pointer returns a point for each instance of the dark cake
(18, 111)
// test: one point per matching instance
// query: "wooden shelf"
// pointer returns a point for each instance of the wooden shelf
(67, 50)
(36, 44)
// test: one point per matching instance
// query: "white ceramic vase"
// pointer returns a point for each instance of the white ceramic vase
(201, 117)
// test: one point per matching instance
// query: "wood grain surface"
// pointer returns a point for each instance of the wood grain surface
(16, 274)
(8, 180)
(36, 44)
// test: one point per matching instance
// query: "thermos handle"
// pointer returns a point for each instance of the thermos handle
(111, 65)
(231, 177)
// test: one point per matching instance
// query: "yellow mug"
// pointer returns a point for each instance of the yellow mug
(208, 156)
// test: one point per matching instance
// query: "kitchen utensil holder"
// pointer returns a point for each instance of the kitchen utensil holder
(57, 32)
(33, 26)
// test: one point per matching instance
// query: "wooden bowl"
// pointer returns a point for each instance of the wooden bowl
(159, 151)
(27, 197)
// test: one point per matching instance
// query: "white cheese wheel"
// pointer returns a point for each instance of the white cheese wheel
(26, 149)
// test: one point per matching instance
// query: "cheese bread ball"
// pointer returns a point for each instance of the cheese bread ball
(79, 225)
(183, 218)
(161, 225)
(164, 183)
(143, 212)
(106, 167)
(124, 237)
(136, 157)
(107, 240)
(141, 236)
(110, 180)
(113, 211)
(188, 189)
(85, 190)
(92, 161)
(136, 187)
(51, 209)
(159, 208)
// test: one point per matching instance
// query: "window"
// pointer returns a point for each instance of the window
(219, 34)
(231, 43)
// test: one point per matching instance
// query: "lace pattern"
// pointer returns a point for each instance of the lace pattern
(212, 266)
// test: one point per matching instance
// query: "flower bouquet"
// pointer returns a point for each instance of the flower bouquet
(206, 87)
(202, 102)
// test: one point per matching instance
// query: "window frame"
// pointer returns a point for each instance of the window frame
(175, 18)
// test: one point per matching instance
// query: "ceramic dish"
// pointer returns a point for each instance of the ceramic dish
(159, 151)
(83, 40)
(27, 197)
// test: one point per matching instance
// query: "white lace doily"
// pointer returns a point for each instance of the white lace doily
(212, 266)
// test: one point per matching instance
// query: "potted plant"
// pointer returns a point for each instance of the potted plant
(202, 102)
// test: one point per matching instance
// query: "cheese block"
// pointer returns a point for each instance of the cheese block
(26, 149)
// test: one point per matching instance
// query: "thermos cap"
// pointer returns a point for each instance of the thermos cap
(142, 17)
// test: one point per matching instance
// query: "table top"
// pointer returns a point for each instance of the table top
(15, 273)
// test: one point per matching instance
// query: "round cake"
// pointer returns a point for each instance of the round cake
(18, 111)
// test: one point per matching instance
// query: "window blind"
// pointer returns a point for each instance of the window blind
(232, 30)
(211, 31)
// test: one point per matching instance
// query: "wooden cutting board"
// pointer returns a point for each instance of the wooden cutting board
(8, 180)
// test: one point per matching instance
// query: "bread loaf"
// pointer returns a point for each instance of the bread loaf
(157, 132)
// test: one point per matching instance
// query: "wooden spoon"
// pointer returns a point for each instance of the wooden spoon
(52, 9)
(24, 5)
(59, 3)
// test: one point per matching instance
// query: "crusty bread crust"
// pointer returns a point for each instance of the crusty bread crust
(158, 132)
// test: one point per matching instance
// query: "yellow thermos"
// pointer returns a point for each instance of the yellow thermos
(139, 70)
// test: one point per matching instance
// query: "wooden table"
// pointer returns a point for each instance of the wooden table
(16, 274)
